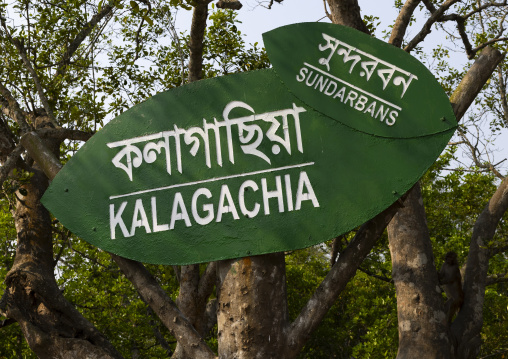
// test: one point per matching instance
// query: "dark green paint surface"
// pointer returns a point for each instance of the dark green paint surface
(354, 172)
(317, 60)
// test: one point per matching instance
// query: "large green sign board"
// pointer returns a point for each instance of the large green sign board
(263, 161)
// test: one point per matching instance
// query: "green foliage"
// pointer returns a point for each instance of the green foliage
(372, 22)
(453, 201)
(495, 312)
(363, 321)
(153, 58)
(92, 282)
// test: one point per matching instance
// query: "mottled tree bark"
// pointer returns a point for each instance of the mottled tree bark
(472, 83)
(347, 13)
(420, 310)
(199, 16)
(402, 22)
(252, 313)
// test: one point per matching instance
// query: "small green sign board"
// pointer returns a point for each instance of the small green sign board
(259, 162)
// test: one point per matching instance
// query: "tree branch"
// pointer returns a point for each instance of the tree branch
(498, 249)
(22, 52)
(348, 262)
(347, 13)
(147, 287)
(64, 134)
(10, 163)
(428, 25)
(474, 80)
(157, 333)
(335, 281)
(229, 4)
(461, 27)
(11, 108)
(326, 11)
(373, 275)
(473, 149)
(430, 6)
(44, 157)
(502, 94)
(207, 282)
(197, 35)
(80, 37)
(176, 40)
(151, 292)
(7, 139)
(403, 19)
(469, 320)
(496, 278)
(475, 11)
(409, 241)
(487, 43)
(187, 296)
(461, 21)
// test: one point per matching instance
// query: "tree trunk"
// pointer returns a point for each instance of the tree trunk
(52, 327)
(252, 313)
(347, 13)
(420, 309)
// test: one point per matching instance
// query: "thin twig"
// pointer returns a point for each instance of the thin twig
(428, 25)
(176, 40)
(328, 15)
(373, 275)
(22, 52)
(80, 37)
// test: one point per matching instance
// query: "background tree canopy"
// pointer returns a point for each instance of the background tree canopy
(68, 67)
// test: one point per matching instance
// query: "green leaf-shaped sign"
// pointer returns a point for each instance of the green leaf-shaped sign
(237, 166)
(358, 80)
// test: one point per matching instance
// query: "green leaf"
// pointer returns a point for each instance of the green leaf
(148, 20)
(135, 7)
